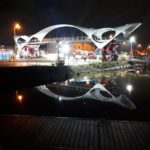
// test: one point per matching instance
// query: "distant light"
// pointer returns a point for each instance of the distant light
(85, 78)
(87, 82)
(129, 87)
(52, 57)
(124, 43)
(139, 45)
(110, 36)
(132, 39)
(66, 82)
(137, 71)
(71, 80)
(17, 26)
(20, 98)
(65, 48)
(59, 98)
(122, 74)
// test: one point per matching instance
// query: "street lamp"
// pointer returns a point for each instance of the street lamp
(132, 39)
(16, 27)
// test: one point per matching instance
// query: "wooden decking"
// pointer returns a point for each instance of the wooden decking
(75, 133)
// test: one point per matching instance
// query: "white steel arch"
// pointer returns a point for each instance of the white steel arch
(90, 32)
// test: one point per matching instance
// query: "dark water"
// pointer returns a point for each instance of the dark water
(36, 103)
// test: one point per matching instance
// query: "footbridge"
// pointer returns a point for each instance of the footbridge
(98, 36)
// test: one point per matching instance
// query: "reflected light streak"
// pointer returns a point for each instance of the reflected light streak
(20, 98)
(129, 87)
(59, 98)
(87, 82)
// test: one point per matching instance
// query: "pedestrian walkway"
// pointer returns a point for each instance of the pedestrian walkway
(74, 133)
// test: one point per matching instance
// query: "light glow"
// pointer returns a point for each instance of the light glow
(20, 98)
(137, 71)
(129, 87)
(139, 45)
(132, 39)
(85, 78)
(65, 48)
(111, 36)
(87, 82)
(17, 26)
(71, 80)
(59, 98)
(124, 43)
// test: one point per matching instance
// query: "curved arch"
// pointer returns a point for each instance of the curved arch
(109, 34)
(91, 33)
(21, 40)
(41, 34)
(24, 37)
(98, 33)
(95, 94)
(20, 45)
(34, 39)
(88, 31)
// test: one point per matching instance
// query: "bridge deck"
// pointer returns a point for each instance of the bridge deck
(74, 133)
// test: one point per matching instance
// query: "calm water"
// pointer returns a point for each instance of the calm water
(36, 103)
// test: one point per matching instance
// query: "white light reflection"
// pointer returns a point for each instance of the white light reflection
(59, 98)
(129, 87)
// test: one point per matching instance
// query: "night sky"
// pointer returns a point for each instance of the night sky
(35, 15)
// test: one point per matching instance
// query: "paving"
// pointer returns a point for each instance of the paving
(73, 133)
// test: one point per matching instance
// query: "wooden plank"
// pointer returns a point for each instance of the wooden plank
(73, 138)
(59, 127)
(61, 138)
(140, 142)
(31, 129)
(38, 129)
(116, 136)
(140, 135)
(70, 138)
(96, 145)
(22, 130)
(128, 134)
(106, 135)
(78, 135)
(69, 133)
(120, 135)
(86, 135)
(145, 126)
(42, 133)
(132, 135)
(111, 138)
(49, 131)
(91, 135)
(145, 130)
(101, 135)
(75, 133)
(83, 135)
(124, 135)
(9, 126)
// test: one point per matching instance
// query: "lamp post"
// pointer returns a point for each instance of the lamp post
(16, 27)
(132, 39)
